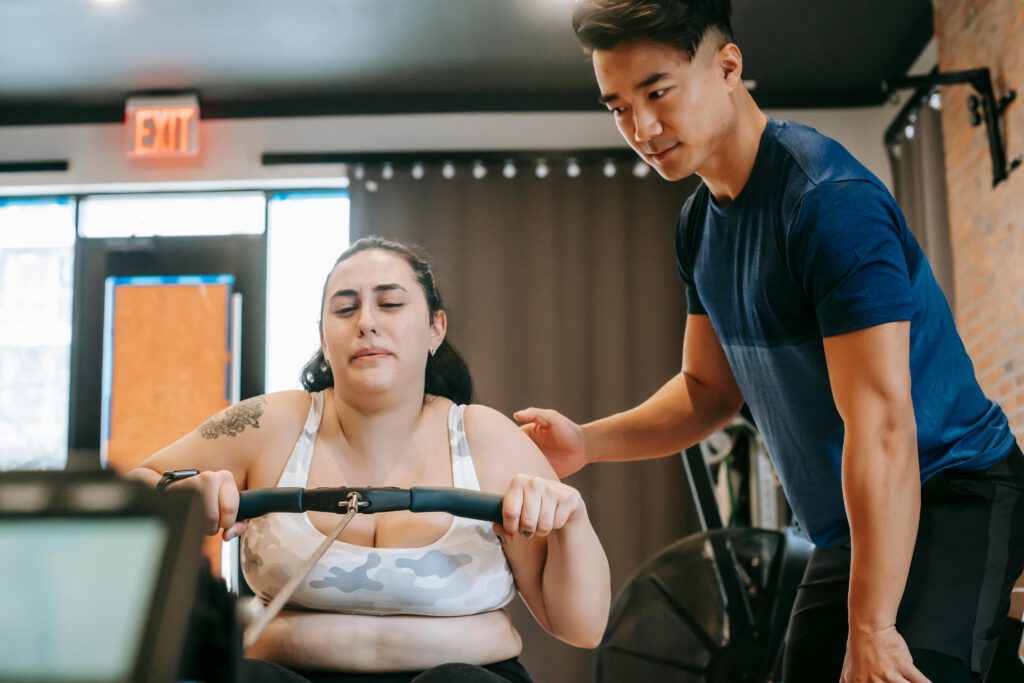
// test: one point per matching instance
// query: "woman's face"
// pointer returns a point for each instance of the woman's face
(377, 331)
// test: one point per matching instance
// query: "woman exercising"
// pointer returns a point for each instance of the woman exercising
(400, 596)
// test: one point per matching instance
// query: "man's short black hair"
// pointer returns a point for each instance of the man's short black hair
(603, 24)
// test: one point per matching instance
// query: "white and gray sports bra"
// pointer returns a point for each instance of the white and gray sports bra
(463, 572)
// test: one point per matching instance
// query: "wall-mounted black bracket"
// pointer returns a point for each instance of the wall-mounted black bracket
(990, 108)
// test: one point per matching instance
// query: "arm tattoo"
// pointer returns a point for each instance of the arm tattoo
(235, 420)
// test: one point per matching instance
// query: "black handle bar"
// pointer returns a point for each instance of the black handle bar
(455, 501)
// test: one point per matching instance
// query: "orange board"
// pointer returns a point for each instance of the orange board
(166, 364)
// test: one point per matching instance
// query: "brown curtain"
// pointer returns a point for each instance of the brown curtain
(919, 178)
(561, 293)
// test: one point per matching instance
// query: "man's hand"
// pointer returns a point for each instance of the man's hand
(879, 657)
(559, 438)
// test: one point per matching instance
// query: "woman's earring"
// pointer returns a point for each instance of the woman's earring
(324, 367)
(433, 350)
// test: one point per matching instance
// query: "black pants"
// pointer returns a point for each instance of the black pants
(969, 552)
(510, 670)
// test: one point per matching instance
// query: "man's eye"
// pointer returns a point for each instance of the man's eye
(658, 94)
(617, 111)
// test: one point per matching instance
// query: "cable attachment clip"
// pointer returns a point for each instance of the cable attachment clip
(354, 501)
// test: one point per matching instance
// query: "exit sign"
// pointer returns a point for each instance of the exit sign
(161, 127)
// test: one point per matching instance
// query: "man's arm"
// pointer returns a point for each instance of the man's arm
(870, 375)
(691, 405)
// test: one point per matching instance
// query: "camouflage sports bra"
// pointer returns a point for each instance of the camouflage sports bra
(463, 572)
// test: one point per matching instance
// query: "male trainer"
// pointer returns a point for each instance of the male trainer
(809, 298)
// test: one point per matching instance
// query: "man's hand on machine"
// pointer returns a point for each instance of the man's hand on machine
(559, 438)
(879, 655)
(536, 507)
(220, 501)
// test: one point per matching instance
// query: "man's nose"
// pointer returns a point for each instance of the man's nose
(646, 125)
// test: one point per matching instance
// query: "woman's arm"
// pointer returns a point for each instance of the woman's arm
(560, 568)
(358, 643)
(227, 450)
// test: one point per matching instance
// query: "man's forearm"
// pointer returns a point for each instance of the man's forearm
(678, 415)
(882, 492)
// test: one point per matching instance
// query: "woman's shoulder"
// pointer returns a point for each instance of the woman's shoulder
(500, 449)
(266, 413)
(487, 427)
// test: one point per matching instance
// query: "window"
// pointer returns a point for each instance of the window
(37, 238)
(172, 215)
(306, 232)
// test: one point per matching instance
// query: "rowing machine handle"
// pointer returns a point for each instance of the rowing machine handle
(459, 502)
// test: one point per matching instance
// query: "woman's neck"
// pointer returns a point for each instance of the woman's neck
(380, 432)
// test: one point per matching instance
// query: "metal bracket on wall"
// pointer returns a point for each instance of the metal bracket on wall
(990, 108)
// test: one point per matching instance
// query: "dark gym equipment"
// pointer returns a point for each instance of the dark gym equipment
(712, 607)
(177, 621)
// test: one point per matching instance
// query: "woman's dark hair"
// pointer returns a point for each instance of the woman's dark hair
(447, 373)
(603, 24)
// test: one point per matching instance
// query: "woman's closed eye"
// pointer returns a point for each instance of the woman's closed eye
(346, 309)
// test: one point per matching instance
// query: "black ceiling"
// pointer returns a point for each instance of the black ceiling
(76, 60)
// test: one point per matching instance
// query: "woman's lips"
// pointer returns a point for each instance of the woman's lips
(370, 354)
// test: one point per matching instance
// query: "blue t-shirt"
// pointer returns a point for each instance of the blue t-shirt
(815, 246)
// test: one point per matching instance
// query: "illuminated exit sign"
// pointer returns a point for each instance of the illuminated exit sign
(162, 127)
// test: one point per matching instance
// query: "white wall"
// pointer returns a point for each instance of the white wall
(230, 150)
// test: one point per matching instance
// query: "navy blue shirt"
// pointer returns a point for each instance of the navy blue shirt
(815, 246)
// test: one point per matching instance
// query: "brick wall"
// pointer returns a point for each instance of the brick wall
(986, 223)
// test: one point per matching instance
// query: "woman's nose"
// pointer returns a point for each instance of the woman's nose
(367, 321)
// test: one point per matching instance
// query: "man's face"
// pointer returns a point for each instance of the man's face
(672, 111)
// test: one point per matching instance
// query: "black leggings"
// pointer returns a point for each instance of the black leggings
(815, 667)
(969, 551)
(508, 671)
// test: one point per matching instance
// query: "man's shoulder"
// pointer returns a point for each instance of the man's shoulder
(814, 157)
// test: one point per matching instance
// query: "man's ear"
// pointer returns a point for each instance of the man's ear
(438, 329)
(730, 61)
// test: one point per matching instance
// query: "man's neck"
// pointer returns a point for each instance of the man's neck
(727, 171)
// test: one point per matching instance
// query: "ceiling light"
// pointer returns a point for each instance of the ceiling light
(387, 171)
(542, 169)
(909, 131)
(608, 169)
(448, 170)
(572, 168)
(479, 170)
(509, 169)
(359, 172)
(935, 101)
(418, 171)
(641, 170)
(371, 186)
